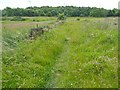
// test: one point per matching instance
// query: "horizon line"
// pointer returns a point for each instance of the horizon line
(59, 6)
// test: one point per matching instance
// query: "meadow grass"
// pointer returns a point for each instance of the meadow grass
(77, 54)
(15, 32)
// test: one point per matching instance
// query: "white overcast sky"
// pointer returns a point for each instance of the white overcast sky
(107, 4)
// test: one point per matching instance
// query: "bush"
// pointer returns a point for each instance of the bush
(17, 18)
(5, 18)
(61, 16)
(78, 19)
(33, 20)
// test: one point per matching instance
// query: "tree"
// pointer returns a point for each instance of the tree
(71, 11)
(61, 16)
(8, 12)
(98, 12)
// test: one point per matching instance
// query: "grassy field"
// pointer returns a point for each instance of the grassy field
(76, 54)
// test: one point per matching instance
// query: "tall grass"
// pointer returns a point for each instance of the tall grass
(78, 54)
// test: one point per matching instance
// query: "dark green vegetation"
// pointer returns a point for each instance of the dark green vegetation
(82, 52)
(71, 11)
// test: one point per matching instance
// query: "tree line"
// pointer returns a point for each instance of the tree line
(70, 11)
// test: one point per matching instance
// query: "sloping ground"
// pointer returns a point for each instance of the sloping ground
(76, 54)
(15, 32)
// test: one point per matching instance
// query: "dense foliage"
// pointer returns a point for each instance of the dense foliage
(54, 11)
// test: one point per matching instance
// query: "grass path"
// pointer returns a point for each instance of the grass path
(57, 72)
(77, 59)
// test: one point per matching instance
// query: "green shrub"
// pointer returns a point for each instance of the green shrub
(17, 18)
(78, 19)
(5, 18)
(61, 16)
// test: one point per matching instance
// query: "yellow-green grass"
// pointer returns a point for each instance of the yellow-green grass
(28, 19)
(77, 54)
(15, 32)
